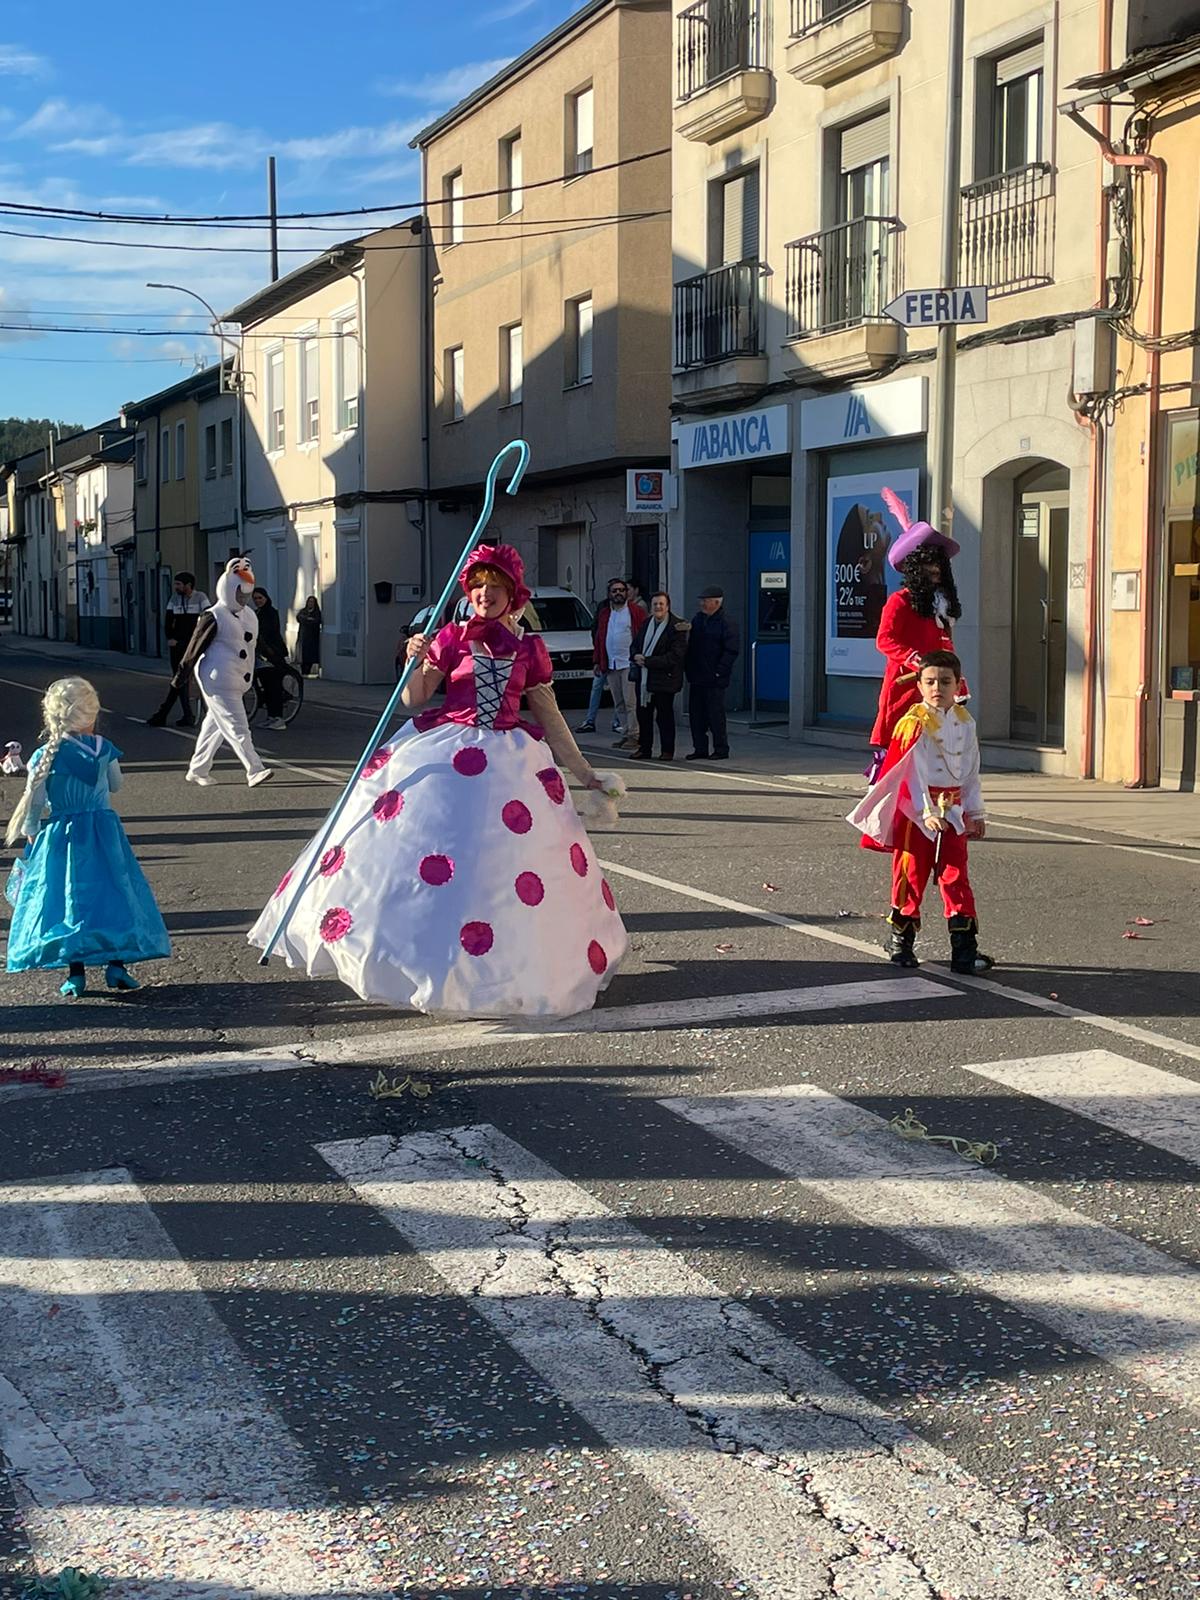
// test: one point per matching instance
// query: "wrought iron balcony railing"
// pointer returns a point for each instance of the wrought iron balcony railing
(716, 38)
(716, 315)
(809, 15)
(1008, 230)
(842, 276)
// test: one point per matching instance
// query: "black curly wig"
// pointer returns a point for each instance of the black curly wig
(922, 587)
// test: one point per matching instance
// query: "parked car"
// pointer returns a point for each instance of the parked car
(561, 618)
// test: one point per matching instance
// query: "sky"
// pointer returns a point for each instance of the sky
(174, 110)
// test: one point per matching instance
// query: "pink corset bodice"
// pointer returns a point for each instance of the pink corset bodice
(487, 669)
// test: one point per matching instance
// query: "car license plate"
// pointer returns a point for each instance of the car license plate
(574, 672)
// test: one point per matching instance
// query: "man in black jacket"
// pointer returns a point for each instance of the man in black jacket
(713, 647)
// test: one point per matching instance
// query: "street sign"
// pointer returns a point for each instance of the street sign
(937, 308)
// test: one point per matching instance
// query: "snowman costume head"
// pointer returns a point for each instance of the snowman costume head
(227, 665)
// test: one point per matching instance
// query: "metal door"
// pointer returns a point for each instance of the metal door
(1039, 631)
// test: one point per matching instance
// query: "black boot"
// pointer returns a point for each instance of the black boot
(902, 936)
(965, 954)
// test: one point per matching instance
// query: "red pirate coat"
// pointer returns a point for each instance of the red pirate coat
(904, 637)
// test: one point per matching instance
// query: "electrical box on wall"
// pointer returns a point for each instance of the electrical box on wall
(1126, 591)
(1092, 356)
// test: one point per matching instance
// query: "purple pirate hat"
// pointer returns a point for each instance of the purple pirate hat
(913, 534)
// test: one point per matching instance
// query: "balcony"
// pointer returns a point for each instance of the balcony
(718, 339)
(722, 72)
(837, 284)
(1008, 229)
(831, 39)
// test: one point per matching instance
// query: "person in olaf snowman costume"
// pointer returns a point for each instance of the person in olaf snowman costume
(221, 653)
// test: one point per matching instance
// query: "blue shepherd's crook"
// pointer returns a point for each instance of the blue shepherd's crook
(489, 500)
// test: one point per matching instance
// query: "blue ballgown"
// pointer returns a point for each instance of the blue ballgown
(83, 897)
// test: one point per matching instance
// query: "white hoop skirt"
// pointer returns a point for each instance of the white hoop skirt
(459, 881)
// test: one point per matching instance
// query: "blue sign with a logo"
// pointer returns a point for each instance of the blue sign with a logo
(745, 436)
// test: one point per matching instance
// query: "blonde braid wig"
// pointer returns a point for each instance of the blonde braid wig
(69, 706)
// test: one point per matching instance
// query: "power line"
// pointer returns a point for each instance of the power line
(102, 361)
(74, 213)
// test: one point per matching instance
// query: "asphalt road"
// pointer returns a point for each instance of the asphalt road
(649, 1306)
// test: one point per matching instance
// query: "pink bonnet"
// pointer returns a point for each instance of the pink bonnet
(505, 559)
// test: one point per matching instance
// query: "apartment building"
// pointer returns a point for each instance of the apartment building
(809, 141)
(166, 501)
(332, 483)
(551, 314)
(98, 492)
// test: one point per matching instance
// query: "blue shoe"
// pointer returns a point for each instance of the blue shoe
(116, 977)
(73, 985)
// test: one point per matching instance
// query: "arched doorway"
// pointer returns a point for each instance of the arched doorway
(1038, 683)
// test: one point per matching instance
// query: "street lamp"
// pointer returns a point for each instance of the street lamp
(215, 330)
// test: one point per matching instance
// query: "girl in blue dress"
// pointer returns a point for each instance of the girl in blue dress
(82, 900)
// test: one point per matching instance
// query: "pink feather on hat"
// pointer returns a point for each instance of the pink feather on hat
(913, 535)
(897, 507)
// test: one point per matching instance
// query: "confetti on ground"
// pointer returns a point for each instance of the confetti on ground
(35, 1072)
(383, 1088)
(723, 949)
(771, 888)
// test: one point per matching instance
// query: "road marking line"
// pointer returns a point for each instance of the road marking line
(114, 1360)
(1058, 1008)
(399, 1044)
(1155, 1107)
(789, 1475)
(1109, 1294)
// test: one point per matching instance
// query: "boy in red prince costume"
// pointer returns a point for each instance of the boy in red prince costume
(923, 808)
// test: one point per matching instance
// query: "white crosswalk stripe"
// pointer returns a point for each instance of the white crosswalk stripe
(1154, 1107)
(802, 1486)
(141, 1444)
(1108, 1293)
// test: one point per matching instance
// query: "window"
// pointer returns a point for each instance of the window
(579, 340)
(512, 364)
(452, 194)
(580, 133)
(210, 450)
(345, 361)
(734, 221)
(1016, 119)
(180, 450)
(455, 383)
(164, 455)
(139, 458)
(310, 390)
(864, 165)
(512, 175)
(275, 430)
(227, 447)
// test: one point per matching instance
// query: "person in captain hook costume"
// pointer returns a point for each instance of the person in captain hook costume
(916, 619)
(459, 879)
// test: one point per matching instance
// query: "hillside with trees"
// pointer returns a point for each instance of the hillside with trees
(20, 435)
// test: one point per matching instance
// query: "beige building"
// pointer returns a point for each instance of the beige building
(332, 492)
(808, 171)
(551, 320)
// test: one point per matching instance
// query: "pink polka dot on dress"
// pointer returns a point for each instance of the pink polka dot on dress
(608, 895)
(283, 883)
(531, 891)
(517, 817)
(550, 779)
(470, 761)
(388, 805)
(436, 870)
(378, 760)
(336, 924)
(597, 960)
(476, 938)
(579, 860)
(333, 861)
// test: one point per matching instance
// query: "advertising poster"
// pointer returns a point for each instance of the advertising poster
(859, 532)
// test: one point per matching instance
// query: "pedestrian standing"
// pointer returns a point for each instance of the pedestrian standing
(924, 806)
(179, 623)
(79, 897)
(658, 655)
(308, 636)
(713, 646)
(270, 658)
(616, 623)
(222, 652)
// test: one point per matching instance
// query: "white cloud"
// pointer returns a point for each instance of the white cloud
(444, 88)
(506, 13)
(14, 335)
(63, 118)
(17, 62)
(223, 147)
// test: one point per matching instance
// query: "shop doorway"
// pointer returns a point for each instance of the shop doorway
(768, 606)
(1037, 712)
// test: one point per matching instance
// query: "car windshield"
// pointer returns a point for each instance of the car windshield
(561, 613)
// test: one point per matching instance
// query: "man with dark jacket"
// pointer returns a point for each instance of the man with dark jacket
(713, 647)
(183, 612)
(659, 647)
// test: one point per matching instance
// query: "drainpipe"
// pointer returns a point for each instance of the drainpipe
(1156, 170)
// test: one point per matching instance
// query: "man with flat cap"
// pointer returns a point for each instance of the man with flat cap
(713, 647)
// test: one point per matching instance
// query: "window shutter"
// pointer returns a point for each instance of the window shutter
(1019, 64)
(739, 221)
(866, 142)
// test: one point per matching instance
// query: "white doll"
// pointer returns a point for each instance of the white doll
(12, 763)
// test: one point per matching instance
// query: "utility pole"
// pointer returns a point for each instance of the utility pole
(273, 210)
(941, 495)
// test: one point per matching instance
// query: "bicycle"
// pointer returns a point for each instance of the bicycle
(292, 694)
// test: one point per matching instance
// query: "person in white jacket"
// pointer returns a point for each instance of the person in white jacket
(222, 653)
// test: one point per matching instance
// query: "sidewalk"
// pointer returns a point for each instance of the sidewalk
(1066, 806)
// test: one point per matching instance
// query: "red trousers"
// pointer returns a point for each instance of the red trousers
(912, 863)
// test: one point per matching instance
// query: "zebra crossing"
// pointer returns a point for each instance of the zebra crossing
(143, 1440)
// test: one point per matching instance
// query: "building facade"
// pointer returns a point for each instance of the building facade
(808, 174)
(549, 282)
(220, 485)
(98, 491)
(332, 480)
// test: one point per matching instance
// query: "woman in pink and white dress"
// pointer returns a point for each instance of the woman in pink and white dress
(460, 880)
